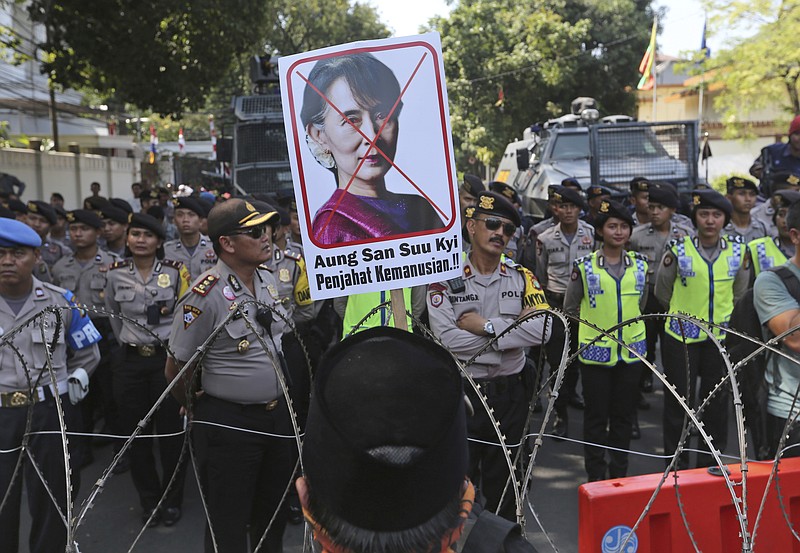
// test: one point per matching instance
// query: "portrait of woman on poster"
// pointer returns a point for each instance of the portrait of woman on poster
(364, 90)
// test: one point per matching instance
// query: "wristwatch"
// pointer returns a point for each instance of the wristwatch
(488, 328)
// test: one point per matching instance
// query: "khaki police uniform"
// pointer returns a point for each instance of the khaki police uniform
(51, 251)
(756, 229)
(197, 261)
(139, 380)
(764, 212)
(499, 297)
(75, 346)
(243, 474)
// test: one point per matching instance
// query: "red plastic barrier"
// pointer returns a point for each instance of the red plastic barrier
(608, 509)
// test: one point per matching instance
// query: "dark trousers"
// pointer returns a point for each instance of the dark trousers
(138, 383)
(488, 468)
(99, 402)
(705, 363)
(610, 395)
(775, 426)
(48, 532)
(554, 349)
(243, 475)
(654, 329)
(300, 378)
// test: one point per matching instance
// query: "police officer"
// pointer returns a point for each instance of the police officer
(286, 200)
(243, 468)
(41, 216)
(781, 157)
(595, 194)
(703, 277)
(26, 390)
(466, 317)
(557, 248)
(606, 287)
(639, 204)
(145, 288)
(192, 248)
(84, 273)
(768, 252)
(651, 240)
(765, 211)
(115, 229)
(742, 194)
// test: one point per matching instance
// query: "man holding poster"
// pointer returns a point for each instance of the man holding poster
(466, 314)
(377, 207)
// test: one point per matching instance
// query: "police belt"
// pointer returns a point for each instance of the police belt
(146, 350)
(499, 384)
(24, 398)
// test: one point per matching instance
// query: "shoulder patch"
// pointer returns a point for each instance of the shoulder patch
(639, 256)
(120, 264)
(674, 242)
(204, 286)
(437, 287)
(265, 268)
(292, 255)
(580, 260)
(172, 263)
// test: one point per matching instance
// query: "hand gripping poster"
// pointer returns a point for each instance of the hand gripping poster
(368, 131)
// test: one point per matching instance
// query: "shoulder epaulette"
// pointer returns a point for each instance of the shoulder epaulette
(639, 256)
(292, 255)
(579, 261)
(265, 268)
(120, 264)
(437, 287)
(172, 263)
(674, 242)
(204, 286)
(508, 262)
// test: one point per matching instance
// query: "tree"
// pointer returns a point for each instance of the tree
(758, 71)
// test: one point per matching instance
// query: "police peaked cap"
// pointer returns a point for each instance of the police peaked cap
(191, 204)
(662, 195)
(119, 203)
(710, 199)
(227, 217)
(472, 185)
(740, 183)
(639, 184)
(147, 222)
(44, 209)
(595, 191)
(505, 190)
(85, 216)
(787, 197)
(569, 195)
(492, 203)
(14, 234)
(607, 210)
(386, 448)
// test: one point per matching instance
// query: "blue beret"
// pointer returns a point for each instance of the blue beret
(14, 233)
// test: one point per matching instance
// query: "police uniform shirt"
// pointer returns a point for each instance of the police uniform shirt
(677, 218)
(148, 301)
(88, 281)
(668, 272)
(554, 255)
(756, 229)
(52, 251)
(543, 225)
(198, 262)
(235, 367)
(652, 244)
(76, 334)
(296, 247)
(288, 268)
(497, 297)
(764, 213)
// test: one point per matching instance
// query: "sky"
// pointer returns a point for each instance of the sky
(682, 28)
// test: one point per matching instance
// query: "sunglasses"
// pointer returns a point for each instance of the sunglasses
(255, 233)
(493, 224)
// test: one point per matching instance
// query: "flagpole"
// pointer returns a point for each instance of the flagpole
(655, 79)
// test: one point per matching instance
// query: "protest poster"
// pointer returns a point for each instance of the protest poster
(368, 132)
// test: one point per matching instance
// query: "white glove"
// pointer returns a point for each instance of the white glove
(78, 385)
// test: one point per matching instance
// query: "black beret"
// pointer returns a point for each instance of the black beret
(608, 209)
(44, 209)
(149, 195)
(505, 190)
(60, 211)
(96, 202)
(787, 197)
(663, 195)
(147, 222)
(472, 185)
(86, 217)
(207, 205)
(569, 195)
(192, 204)
(784, 180)
(639, 184)
(18, 206)
(6, 213)
(595, 191)
(156, 211)
(115, 214)
(386, 450)
(119, 203)
(492, 203)
(571, 182)
(711, 199)
(286, 218)
(236, 214)
(285, 198)
(740, 183)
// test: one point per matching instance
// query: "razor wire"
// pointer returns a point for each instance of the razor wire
(521, 465)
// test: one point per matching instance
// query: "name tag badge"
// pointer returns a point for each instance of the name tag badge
(594, 284)
(685, 266)
(733, 266)
(639, 281)
(767, 262)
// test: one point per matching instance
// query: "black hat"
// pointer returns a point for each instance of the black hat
(286, 218)
(595, 191)
(492, 203)
(472, 185)
(119, 203)
(571, 182)
(147, 222)
(782, 180)
(191, 204)
(740, 183)
(386, 449)
(115, 214)
(236, 214)
(96, 202)
(786, 198)
(569, 195)
(505, 190)
(608, 209)
(639, 184)
(6, 213)
(711, 199)
(60, 211)
(44, 209)
(149, 195)
(207, 205)
(86, 217)
(285, 199)
(156, 211)
(662, 195)
(18, 206)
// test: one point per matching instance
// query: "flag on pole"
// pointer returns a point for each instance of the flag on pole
(705, 152)
(501, 98)
(181, 141)
(646, 65)
(704, 49)
(153, 144)
(213, 137)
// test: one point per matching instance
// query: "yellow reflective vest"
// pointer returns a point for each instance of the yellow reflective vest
(359, 305)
